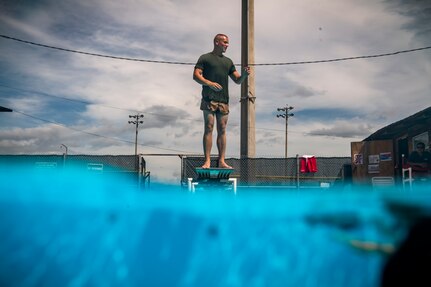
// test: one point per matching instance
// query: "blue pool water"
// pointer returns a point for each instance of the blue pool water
(78, 228)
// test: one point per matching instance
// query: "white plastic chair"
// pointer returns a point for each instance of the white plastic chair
(407, 178)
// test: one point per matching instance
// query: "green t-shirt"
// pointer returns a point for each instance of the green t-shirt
(216, 69)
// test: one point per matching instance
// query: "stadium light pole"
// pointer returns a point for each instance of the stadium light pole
(136, 121)
(285, 115)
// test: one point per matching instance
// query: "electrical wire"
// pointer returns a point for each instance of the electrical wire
(129, 110)
(95, 54)
(344, 59)
(88, 102)
(97, 135)
(66, 99)
(189, 63)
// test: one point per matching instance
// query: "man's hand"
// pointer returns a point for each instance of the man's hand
(237, 78)
(198, 77)
(246, 70)
(215, 86)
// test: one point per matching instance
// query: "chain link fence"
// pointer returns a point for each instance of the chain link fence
(277, 171)
(248, 172)
(121, 166)
(105, 163)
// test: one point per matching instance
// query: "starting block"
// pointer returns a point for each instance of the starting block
(212, 177)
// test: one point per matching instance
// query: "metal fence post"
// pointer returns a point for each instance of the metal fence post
(297, 171)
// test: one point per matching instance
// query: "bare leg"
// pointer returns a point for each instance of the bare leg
(221, 140)
(208, 137)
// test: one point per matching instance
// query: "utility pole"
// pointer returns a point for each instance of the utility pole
(248, 97)
(248, 142)
(285, 115)
(136, 121)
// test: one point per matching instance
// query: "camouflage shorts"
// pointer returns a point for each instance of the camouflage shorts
(215, 107)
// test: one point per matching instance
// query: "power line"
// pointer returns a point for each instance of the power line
(65, 98)
(130, 110)
(124, 109)
(343, 59)
(112, 138)
(85, 102)
(95, 54)
(189, 63)
(96, 135)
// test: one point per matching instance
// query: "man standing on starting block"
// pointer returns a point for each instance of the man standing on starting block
(212, 71)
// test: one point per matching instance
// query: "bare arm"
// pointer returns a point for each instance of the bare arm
(198, 77)
(237, 78)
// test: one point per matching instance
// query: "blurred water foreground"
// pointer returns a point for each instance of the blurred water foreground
(70, 228)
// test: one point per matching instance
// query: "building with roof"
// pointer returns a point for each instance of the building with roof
(383, 153)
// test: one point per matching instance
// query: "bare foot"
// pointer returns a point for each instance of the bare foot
(222, 164)
(207, 164)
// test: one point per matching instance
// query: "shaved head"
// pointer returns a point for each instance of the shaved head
(219, 36)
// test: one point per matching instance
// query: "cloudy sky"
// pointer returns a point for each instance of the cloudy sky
(84, 101)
